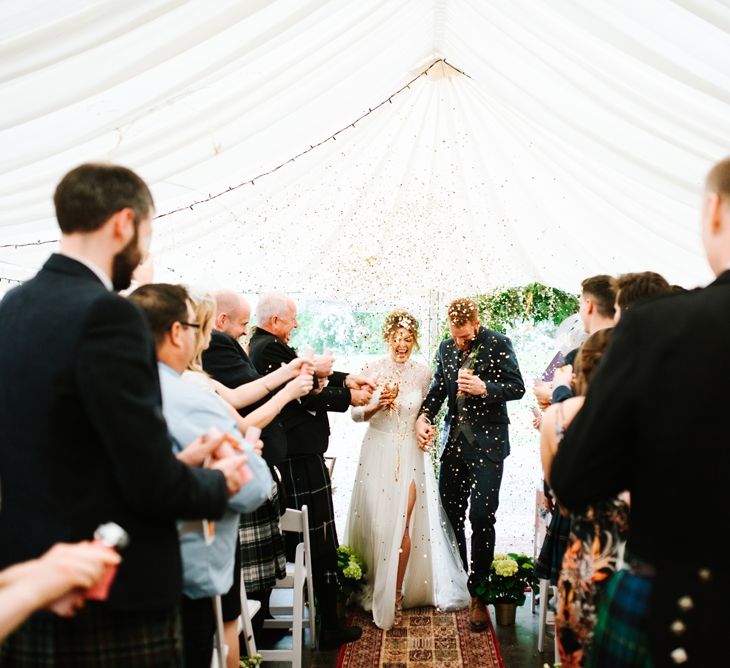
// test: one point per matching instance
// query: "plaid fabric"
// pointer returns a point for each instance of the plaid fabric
(97, 636)
(263, 560)
(550, 559)
(620, 637)
(307, 482)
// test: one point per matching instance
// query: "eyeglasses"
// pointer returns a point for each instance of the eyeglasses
(194, 325)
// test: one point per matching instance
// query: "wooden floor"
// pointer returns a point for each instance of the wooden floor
(518, 645)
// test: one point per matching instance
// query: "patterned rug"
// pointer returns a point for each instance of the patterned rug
(426, 639)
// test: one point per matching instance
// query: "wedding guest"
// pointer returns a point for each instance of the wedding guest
(477, 373)
(56, 581)
(597, 533)
(395, 517)
(208, 565)
(596, 311)
(85, 443)
(262, 552)
(642, 429)
(304, 473)
(261, 525)
(636, 287)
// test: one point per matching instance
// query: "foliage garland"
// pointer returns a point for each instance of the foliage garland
(534, 302)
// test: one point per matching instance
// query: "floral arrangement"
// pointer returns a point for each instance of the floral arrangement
(251, 661)
(509, 576)
(351, 569)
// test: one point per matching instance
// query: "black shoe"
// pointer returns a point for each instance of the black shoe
(333, 638)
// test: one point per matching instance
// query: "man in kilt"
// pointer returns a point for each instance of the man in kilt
(262, 555)
(304, 474)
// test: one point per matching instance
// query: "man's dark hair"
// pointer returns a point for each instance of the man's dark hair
(637, 286)
(602, 293)
(90, 194)
(163, 305)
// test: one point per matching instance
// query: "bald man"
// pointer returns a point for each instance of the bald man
(262, 553)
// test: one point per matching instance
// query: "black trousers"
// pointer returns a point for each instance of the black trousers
(198, 621)
(469, 476)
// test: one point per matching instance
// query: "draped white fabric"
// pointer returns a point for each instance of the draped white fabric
(574, 142)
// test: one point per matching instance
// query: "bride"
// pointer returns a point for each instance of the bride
(395, 520)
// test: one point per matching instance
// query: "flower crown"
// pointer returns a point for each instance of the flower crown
(397, 319)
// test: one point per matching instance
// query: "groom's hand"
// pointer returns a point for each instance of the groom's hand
(472, 385)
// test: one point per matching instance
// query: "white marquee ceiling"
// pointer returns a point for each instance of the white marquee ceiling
(572, 138)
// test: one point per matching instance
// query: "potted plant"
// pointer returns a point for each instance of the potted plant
(351, 570)
(509, 577)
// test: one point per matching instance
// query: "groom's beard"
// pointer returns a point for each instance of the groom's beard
(124, 264)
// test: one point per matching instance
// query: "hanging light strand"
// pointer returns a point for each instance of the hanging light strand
(251, 181)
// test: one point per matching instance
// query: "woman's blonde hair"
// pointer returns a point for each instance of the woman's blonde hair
(204, 305)
(397, 319)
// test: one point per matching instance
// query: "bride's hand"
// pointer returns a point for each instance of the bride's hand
(385, 400)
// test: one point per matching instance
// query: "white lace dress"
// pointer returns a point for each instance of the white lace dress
(389, 460)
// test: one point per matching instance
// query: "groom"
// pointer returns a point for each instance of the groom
(476, 370)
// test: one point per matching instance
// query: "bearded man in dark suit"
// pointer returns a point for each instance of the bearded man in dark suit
(83, 438)
(477, 374)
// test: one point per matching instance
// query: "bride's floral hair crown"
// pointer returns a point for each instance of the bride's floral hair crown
(397, 319)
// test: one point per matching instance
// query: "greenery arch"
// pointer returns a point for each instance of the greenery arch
(535, 302)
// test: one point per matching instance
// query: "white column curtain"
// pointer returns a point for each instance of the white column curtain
(574, 143)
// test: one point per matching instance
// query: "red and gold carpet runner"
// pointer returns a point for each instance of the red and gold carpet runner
(425, 639)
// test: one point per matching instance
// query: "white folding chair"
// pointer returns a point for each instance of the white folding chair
(546, 617)
(248, 612)
(220, 651)
(288, 605)
(542, 519)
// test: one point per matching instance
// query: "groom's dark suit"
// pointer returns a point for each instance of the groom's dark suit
(476, 441)
(82, 437)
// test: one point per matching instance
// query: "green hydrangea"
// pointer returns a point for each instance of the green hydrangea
(505, 567)
(352, 570)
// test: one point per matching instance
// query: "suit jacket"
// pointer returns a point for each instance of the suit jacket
(83, 438)
(496, 365)
(227, 362)
(305, 421)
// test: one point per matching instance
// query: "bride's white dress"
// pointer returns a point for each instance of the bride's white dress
(389, 460)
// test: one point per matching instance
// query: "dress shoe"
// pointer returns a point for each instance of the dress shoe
(333, 638)
(479, 617)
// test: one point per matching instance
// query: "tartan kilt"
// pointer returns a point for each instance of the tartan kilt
(97, 636)
(306, 481)
(621, 635)
(263, 560)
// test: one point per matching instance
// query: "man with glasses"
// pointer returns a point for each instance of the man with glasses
(84, 441)
(208, 565)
